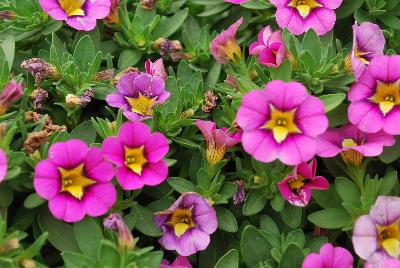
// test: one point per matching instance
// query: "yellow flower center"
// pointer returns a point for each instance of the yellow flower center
(360, 55)
(304, 6)
(74, 181)
(141, 105)
(215, 153)
(72, 7)
(389, 238)
(296, 184)
(181, 220)
(232, 48)
(351, 155)
(135, 159)
(387, 95)
(281, 123)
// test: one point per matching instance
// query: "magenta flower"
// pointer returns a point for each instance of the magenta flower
(269, 47)
(137, 93)
(296, 188)
(376, 237)
(224, 46)
(237, 2)
(368, 42)
(138, 155)
(79, 14)
(156, 68)
(12, 92)
(3, 165)
(218, 140)
(375, 98)
(76, 181)
(352, 144)
(187, 224)
(329, 257)
(388, 263)
(179, 262)
(300, 16)
(281, 122)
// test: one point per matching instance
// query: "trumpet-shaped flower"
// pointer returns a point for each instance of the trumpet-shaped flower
(301, 15)
(137, 93)
(79, 14)
(3, 165)
(156, 68)
(179, 262)
(269, 47)
(375, 97)
(376, 237)
(12, 92)
(218, 140)
(76, 181)
(225, 47)
(187, 224)
(138, 155)
(281, 122)
(329, 257)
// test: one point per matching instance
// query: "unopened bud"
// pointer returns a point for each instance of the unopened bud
(12, 92)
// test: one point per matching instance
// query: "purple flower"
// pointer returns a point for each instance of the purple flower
(269, 47)
(137, 93)
(179, 262)
(116, 223)
(76, 180)
(375, 97)
(12, 92)
(156, 68)
(138, 155)
(376, 237)
(296, 188)
(281, 122)
(3, 165)
(187, 224)
(79, 14)
(352, 144)
(329, 257)
(368, 42)
(240, 195)
(301, 15)
(388, 263)
(224, 46)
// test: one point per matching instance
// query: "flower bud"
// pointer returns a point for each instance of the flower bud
(116, 223)
(12, 92)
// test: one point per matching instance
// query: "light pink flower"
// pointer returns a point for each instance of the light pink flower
(3, 165)
(156, 68)
(179, 262)
(329, 257)
(12, 92)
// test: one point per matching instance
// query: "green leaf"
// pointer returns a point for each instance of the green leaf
(145, 223)
(312, 44)
(168, 26)
(35, 247)
(109, 255)
(229, 260)
(391, 21)
(8, 47)
(391, 153)
(88, 234)
(268, 224)
(150, 260)
(327, 198)
(348, 191)
(331, 218)
(254, 203)
(129, 57)
(33, 201)
(181, 185)
(84, 53)
(347, 8)
(186, 143)
(332, 101)
(291, 215)
(296, 237)
(388, 182)
(84, 131)
(75, 260)
(283, 72)
(292, 257)
(254, 247)
(226, 220)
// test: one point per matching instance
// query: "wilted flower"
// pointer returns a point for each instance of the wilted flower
(138, 155)
(187, 224)
(167, 46)
(301, 15)
(113, 17)
(73, 100)
(156, 68)
(40, 69)
(7, 15)
(218, 140)
(115, 222)
(3, 165)
(76, 181)
(281, 122)
(352, 144)
(240, 195)
(79, 14)
(179, 262)
(225, 47)
(105, 75)
(376, 237)
(12, 92)
(34, 140)
(329, 257)
(269, 47)
(148, 4)
(210, 100)
(137, 93)
(296, 188)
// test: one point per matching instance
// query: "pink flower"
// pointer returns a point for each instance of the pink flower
(76, 181)
(300, 16)
(179, 262)
(156, 68)
(12, 92)
(138, 155)
(224, 47)
(352, 144)
(376, 237)
(296, 188)
(368, 42)
(3, 165)
(218, 140)
(79, 14)
(375, 98)
(269, 47)
(237, 2)
(281, 122)
(125, 239)
(388, 263)
(329, 257)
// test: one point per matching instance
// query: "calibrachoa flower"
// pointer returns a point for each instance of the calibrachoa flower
(376, 237)
(3, 165)
(388, 263)
(218, 140)
(368, 42)
(301, 15)
(79, 14)
(375, 98)
(296, 188)
(138, 155)
(224, 47)
(12, 92)
(137, 93)
(76, 181)
(352, 144)
(187, 224)
(156, 68)
(329, 257)
(116, 223)
(269, 47)
(281, 122)
(179, 262)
